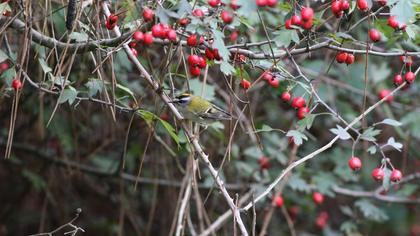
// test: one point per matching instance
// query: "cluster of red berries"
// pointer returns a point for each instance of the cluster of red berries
(196, 63)
(378, 174)
(392, 21)
(266, 3)
(298, 103)
(338, 7)
(193, 40)
(344, 57)
(271, 79)
(226, 16)
(305, 20)
(111, 21)
(362, 5)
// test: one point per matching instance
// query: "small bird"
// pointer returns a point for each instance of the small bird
(199, 110)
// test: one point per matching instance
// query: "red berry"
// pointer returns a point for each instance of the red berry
(201, 62)
(335, 7)
(193, 60)
(184, 21)
(264, 163)
(396, 175)
(274, 82)
(261, 3)
(392, 21)
(233, 36)
(209, 53)
(138, 36)
(350, 59)
(16, 84)
(296, 20)
(271, 3)
(148, 14)
(267, 76)
(245, 84)
(158, 31)
(344, 5)
(385, 92)
(216, 54)
(3, 67)
(407, 60)
(341, 57)
(307, 13)
(198, 13)
(134, 51)
(148, 38)
(113, 19)
(278, 201)
(110, 26)
(378, 174)
(192, 40)
(172, 35)
(233, 4)
(362, 5)
(374, 35)
(132, 44)
(355, 163)
(382, 2)
(195, 70)
(321, 220)
(298, 102)
(402, 26)
(318, 198)
(410, 77)
(301, 114)
(226, 16)
(214, 3)
(288, 24)
(285, 96)
(307, 24)
(398, 80)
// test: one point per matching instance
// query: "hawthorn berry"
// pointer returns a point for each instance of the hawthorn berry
(307, 24)
(407, 60)
(198, 13)
(267, 75)
(336, 8)
(301, 114)
(396, 175)
(318, 198)
(362, 5)
(409, 77)
(214, 3)
(296, 20)
(261, 3)
(112, 19)
(321, 220)
(274, 82)
(134, 51)
(158, 31)
(392, 21)
(307, 13)
(341, 57)
(138, 36)
(184, 21)
(381, 2)
(285, 96)
(172, 35)
(398, 80)
(226, 16)
(233, 36)
(350, 59)
(148, 14)
(209, 53)
(264, 163)
(355, 163)
(148, 38)
(234, 5)
(278, 201)
(271, 3)
(344, 5)
(298, 102)
(16, 84)
(201, 62)
(110, 26)
(288, 24)
(3, 67)
(195, 70)
(374, 35)
(193, 60)
(378, 174)
(385, 92)
(192, 40)
(245, 84)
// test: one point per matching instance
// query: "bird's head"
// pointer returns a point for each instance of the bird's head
(183, 99)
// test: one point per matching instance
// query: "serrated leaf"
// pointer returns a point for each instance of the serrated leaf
(253, 152)
(8, 76)
(403, 11)
(283, 38)
(348, 227)
(391, 122)
(94, 86)
(247, 7)
(346, 210)
(370, 133)
(3, 55)
(44, 66)
(298, 184)
(340, 132)
(68, 95)
(297, 136)
(372, 150)
(265, 128)
(79, 37)
(391, 142)
(386, 183)
(220, 44)
(226, 68)
(324, 183)
(370, 211)
(307, 121)
(183, 8)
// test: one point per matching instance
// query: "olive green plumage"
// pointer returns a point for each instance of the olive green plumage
(198, 109)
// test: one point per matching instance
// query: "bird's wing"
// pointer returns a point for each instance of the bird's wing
(215, 112)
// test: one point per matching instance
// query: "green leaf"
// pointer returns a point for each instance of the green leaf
(68, 95)
(196, 87)
(37, 181)
(298, 184)
(403, 10)
(348, 227)
(297, 136)
(3, 55)
(407, 190)
(171, 131)
(44, 66)
(220, 44)
(94, 86)
(372, 150)
(391, 142)
(324, 183)
(8, 76)
(370, 133)
(253, 152)
(283, 38)
(341, 132)
(391, 122)
(370, 211)
(247, 7)
(183, 8)
(386, 183)
(226, 68)
(79, 37)
(150, 118)
(307, 121)
(4, 7)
